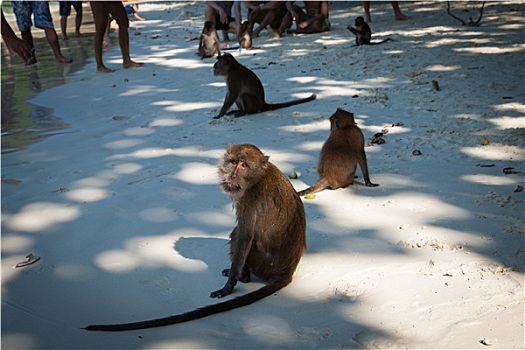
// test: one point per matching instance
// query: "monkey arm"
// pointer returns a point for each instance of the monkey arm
(228, 102)
(243, 247)
(355, 30)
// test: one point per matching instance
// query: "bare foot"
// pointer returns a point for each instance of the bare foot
(273, 33)
(62, 59)
(104, 69)
(131, 64)
(402, 17)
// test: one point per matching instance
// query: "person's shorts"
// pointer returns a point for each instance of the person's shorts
(281, 12)
(223, 26)
(65, 7)
(40, 11)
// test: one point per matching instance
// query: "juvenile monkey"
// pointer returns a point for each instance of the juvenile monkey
(268, 241)
(340, 154)
(244, 38)
(363, 33)
(209, 44)
(245, 89)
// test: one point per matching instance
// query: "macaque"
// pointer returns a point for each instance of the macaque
(363, 33)
(209, 44)
(340, 154)
(268, 240)
(245, 89)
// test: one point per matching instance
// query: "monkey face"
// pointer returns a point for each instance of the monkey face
(359, 21)
(241, 167)
(223, 64)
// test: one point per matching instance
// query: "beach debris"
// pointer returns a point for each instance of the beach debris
(310, 196)
(485, 141)
(510, 170)
(507, 97)
(416, 152)
(155, 36)
(294, 175)
(119, 117)
(435, 84)
(519, 189)
(31, 259)
(485, 342)
(486, 165)
(11, 181)
(377, 138)
(471, 22)
(414, 74)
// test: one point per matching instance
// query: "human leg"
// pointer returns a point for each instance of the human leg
(397, 12)
(366, 5)
(100, 16)
(78, 18)
(117, 11)
(65, 11)
(43, 20)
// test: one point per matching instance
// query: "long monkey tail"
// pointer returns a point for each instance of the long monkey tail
(318, 186)
(274, 106)
(205, 311)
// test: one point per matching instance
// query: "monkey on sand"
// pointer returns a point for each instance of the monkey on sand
(209, 44)
(268, 240)
(244, 38)
(363, 33)
(340, 154)
(245, 89)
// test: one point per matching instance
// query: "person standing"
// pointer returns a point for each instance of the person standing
(43, 20)
(101, 11)
(65, 11)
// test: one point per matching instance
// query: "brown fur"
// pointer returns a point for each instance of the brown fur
(340, 154)
(209, 43)
(245, 89)
(245, 35)
(268, 241)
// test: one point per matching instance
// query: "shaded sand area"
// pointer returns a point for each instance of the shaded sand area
(128, 220)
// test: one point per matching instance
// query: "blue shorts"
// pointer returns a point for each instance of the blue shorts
(65, 7)
(130, 10)
(40, 11)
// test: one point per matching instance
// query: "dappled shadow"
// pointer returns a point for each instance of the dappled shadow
(130, 224)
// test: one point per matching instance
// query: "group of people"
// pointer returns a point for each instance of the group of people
(41, 14)
(278, 17)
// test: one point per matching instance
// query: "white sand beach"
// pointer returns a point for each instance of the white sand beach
(126, 215)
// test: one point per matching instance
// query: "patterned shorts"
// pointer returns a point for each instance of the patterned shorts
(40, 11)
(65, 7)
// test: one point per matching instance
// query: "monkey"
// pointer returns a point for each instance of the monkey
(209, 44)
(268, 240)
(363, 33)
(340, 154)
(245, 89)
(244, 38)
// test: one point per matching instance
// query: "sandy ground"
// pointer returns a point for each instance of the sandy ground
(129, 222)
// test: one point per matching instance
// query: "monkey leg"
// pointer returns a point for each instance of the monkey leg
(249, 104)
(244, 277)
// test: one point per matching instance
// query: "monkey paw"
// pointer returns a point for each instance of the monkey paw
(227, 290)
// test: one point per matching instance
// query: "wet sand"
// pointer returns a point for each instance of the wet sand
(24, 123)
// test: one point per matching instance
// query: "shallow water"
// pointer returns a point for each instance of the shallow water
(24, 123)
